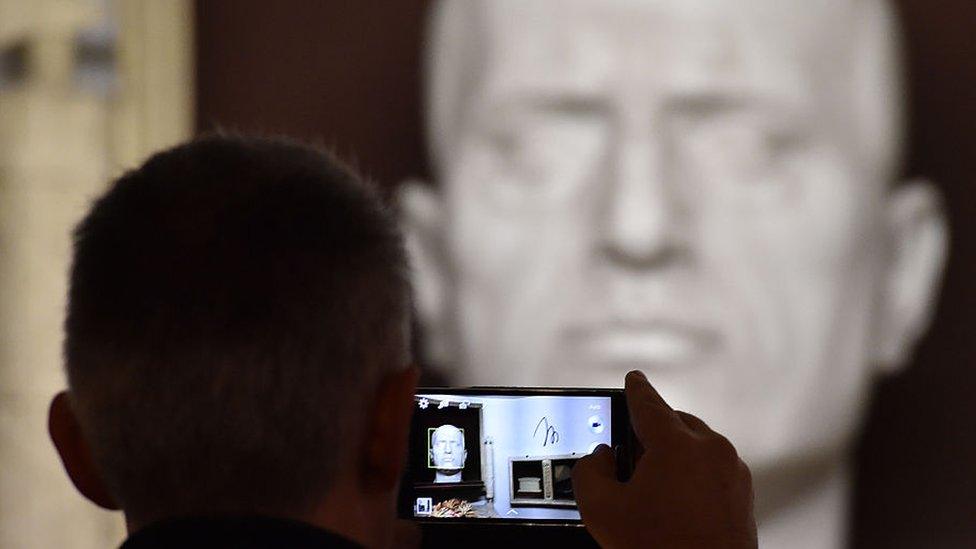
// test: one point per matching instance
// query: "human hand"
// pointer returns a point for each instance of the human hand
(689, 489)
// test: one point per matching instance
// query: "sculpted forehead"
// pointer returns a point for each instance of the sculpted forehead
(447, 431)
(778, 20)
(593, 46)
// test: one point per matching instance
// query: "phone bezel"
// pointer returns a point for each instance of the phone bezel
(621, 437)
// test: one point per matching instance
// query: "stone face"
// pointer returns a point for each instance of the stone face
(698, 189)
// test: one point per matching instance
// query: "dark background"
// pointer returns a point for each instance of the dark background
(347, 74)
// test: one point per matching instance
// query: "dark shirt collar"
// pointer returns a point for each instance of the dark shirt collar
(237, 532)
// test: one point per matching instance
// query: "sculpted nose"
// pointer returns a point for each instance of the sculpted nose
(639, 222)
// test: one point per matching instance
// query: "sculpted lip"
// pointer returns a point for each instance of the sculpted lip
(652, 343)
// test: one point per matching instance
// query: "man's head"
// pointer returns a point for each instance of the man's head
(447, 448)
(236, 336)
(703, 190)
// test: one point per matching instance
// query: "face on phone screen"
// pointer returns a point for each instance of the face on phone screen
(501, 456)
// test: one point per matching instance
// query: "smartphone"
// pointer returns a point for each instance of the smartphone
(504, 455)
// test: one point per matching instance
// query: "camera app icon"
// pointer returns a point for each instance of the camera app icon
(423, 507)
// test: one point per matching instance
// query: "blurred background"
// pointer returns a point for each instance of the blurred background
(89, 88)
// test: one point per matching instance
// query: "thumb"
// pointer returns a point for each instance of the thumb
(594, 477)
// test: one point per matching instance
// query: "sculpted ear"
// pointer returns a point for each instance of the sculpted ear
(424, 223)
(919, 241)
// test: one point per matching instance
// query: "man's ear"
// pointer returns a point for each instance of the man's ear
(65, 431)
(918, 236)
(388, 430)
(424, 224)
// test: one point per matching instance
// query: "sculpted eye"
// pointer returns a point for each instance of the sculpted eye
(785, 140)
(548, 146)
(503, 143)
(739, 146)
(534, 159)
(514, 156)
(764, 146)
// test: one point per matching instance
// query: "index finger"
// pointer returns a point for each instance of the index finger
(650, 416)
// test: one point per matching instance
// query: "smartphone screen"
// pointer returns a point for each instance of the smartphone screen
(505, 454)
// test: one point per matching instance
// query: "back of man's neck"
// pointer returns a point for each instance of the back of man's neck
(341, 512)
(346, 511)
(236, 530)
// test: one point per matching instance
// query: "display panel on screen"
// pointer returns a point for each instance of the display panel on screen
(502, 456)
